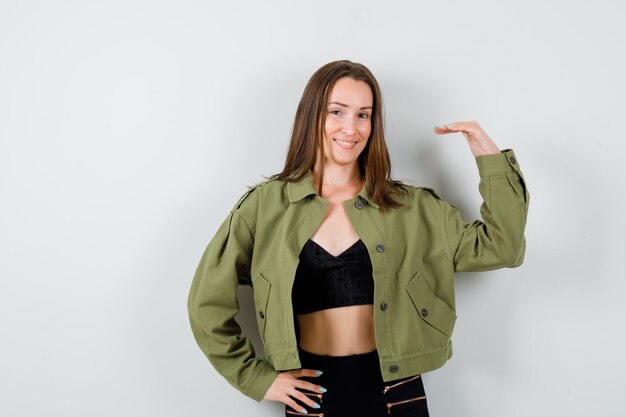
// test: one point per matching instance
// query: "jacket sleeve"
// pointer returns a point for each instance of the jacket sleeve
(498, 240)
(212, 305)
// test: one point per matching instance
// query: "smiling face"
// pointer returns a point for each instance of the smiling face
(348, 121)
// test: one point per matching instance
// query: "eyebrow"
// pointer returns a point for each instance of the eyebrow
(345, 105)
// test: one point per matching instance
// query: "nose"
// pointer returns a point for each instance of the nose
(349, 126)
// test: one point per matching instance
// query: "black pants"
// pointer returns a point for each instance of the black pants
(356, 389)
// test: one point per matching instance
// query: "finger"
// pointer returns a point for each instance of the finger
(471, 126)
(309, 386)
(444, 130)
(304, 398)
(306, 372)
(449, 126)
(295, 406)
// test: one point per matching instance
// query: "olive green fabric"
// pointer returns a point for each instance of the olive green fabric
(414, 250)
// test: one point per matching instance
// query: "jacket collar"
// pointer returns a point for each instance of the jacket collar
(296, 191)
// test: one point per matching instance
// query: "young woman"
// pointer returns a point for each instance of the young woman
(352, 271)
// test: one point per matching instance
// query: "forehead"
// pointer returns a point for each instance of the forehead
(351, 92)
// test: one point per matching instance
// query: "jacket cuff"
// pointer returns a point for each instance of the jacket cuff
(258, 386)
(504, 162)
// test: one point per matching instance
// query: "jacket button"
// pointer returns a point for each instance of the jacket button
(380, 247)
(359, 204)
(425, 312)
(393, 368)
(383, 306)
(261, 314)
(512, 159)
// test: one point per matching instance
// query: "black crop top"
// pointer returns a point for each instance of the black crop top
(325, 281)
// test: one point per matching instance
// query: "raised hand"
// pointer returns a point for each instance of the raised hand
(479, 142)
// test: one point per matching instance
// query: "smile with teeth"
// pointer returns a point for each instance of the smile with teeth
(345, 144)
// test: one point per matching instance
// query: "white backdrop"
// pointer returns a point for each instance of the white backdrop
(128, 129)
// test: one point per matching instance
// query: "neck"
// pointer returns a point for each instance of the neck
(338, 176)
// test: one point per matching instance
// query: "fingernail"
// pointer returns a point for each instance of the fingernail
(436, 127)
(449, 126)
(304, 411)
(319, 372)
(316, 405)
(322, 389)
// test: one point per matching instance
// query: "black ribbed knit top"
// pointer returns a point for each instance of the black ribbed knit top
(325, 281)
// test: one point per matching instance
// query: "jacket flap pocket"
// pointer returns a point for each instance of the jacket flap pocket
(261, 290)
(517, 182)
(430, 307)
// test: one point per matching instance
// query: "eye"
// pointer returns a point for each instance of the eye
(335, 111)
(364, 115)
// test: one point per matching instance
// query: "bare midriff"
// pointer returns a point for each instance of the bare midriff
(338, 331)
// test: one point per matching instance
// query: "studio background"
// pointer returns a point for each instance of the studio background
(128, 129)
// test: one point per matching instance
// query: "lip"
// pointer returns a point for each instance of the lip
(345, 147)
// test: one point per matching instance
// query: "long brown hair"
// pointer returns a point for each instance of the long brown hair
(374, 162)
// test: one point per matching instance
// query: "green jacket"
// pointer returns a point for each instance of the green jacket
(414, 251)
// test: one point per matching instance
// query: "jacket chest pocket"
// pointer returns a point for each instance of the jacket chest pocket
(261, 289)
(430, 308)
